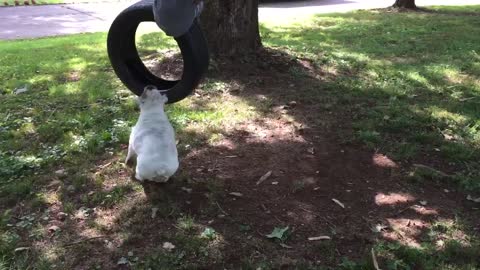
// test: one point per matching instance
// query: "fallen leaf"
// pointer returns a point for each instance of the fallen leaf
(315, 238)
(154, 212)
(53, 228)
(168, 246)
(470, 198)
(60, 172)
(339, 203)
(264, 177)
(379, 227)
(122, 261)
(20, 90)
(236, 194)
(278, 232)
(208, 233)
(285, 245)
(188, 190)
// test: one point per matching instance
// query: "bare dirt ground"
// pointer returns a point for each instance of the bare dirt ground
(303, 143)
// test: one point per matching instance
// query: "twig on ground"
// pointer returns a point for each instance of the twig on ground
(374, 260)
(83, 241)
(221, 209)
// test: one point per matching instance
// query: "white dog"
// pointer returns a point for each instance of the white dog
(152, 141)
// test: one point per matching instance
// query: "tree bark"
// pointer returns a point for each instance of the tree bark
(405, 4)
(231, 26)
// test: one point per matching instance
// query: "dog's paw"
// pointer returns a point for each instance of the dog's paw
(130, 162)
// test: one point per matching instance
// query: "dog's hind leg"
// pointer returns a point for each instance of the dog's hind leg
(131, 156)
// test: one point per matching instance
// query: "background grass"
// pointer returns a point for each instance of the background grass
(410, 82)
(412, 79)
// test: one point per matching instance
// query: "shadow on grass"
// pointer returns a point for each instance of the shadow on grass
(316, 107)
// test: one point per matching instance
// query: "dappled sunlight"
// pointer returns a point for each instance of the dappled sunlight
(264, 143)
(393, 198)
(383, 161)
(405, 231)
(447, 116)
(426, 211)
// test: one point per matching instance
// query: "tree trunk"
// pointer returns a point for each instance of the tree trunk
(405, 4)
(231, 26)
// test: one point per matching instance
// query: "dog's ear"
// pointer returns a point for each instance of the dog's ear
(164, 98)
(144, 94)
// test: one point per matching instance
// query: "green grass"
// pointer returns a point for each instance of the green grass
(412, 79)
(409, 81)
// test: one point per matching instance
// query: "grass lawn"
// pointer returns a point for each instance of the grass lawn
(378, 110)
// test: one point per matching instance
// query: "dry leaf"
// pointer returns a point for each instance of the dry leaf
(470, 198)
(264, 177)
(154, 212)
(168, 246)
(285, 245)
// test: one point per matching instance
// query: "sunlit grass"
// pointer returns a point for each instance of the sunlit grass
(410, 82)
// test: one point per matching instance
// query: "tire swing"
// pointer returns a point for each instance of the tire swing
(175, 19)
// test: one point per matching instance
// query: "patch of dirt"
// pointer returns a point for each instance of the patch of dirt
(301, 139)
(311, 164)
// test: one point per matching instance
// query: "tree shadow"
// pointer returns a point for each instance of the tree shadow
(303, 134)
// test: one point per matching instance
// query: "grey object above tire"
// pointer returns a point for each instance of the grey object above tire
(129, 67)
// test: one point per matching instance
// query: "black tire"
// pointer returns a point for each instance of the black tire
(129, 67)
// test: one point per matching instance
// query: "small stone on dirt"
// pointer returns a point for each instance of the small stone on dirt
(423, 203)
(275, 183)
(130, 253)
